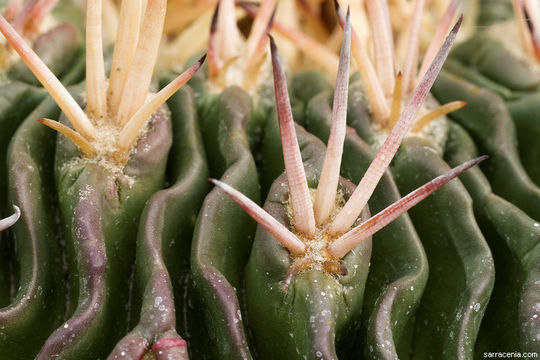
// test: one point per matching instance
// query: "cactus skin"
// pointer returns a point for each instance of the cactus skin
(98, 209)
(508, 231)
(163, 244)
(488, 119)
(223, 233)
(60, 49)
(39, 305)
(446, 325)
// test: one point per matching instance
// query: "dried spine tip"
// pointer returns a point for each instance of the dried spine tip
(296, 268)
(10, 220)
(347, 242)
(130, 132)
(369, 181)
(326, 191)
(96, 101)
(437, 113)
(86, 147)
(274, 227)
(302, 207)
(63, 98)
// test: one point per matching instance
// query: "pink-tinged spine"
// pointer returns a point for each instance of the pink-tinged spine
(363, 192)
(326, 191)
(32, 15)
(348, 241)
(302, 207)
(383, 42)
(411, 58)
(274, 227)
(372, 84)
(439, 36)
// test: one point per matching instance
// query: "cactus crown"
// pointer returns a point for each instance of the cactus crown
(321, 230)
(117, 110)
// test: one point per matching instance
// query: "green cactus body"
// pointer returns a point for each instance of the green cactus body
(164, 242)
(399, 267)
(487, 62)
(513, 239)
(39, 304)
(523, 111)
(9, 124)
(446, 325)
(99, 206)
(319, 310)
(488, 119)
(223, 233)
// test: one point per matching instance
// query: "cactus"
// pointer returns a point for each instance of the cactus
(119, 247)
